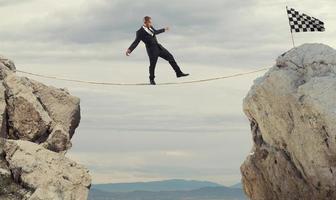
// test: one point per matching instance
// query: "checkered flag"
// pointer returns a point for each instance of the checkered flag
(303, 23)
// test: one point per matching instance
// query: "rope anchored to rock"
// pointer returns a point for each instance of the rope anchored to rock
(142, 84)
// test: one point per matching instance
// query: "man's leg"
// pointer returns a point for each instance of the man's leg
(152, 60)
(164, 53)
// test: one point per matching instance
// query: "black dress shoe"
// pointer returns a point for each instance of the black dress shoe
(182, 75)
(152, 82)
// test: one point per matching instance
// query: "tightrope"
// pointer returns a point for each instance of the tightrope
(141, 84)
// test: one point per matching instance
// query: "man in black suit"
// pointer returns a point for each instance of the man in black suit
(147, 34)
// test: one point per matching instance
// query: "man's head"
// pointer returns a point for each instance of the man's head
(148, 21)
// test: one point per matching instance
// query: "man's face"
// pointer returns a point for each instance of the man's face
(148, 23)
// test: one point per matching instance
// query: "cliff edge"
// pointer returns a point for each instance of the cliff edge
(292, 112)
(37, 123)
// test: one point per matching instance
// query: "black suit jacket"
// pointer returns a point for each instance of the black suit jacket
(151, 42)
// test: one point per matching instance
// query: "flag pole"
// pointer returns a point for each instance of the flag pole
(293, 39)
(290, 28)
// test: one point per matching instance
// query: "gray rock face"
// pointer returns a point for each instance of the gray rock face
(27, 119)
(36, 125)
(8, 63)
(50, 175)
(35, 112)
(9, 189)
(292, 111)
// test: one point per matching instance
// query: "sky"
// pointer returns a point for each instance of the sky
(146, 133)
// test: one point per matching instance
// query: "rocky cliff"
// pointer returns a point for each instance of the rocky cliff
(36, 125)
(292, 112)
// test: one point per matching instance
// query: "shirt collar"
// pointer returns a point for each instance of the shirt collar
(148, 30)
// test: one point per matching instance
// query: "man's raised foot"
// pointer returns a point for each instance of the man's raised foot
(181, 75)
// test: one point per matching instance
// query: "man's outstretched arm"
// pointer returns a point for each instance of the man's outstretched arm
(133, 45)
(160, 30)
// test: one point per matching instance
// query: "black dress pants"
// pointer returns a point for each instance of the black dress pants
(161, 52)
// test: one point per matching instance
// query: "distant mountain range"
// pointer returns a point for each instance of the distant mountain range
(166, 190)
(155, 186)
(238, 185)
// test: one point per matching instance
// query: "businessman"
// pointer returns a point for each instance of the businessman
(147, 34)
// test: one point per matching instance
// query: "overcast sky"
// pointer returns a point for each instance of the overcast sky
(146, 133)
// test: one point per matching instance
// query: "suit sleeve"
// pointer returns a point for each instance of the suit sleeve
(158, 31)
(136, 42)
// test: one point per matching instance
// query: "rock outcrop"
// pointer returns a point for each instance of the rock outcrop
(37, 123)
(38, 113)
(292, 111)
(51, 175)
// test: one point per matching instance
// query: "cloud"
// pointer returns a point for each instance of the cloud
(13, 2)
(138, 166)
(162, 134)
(218, 32)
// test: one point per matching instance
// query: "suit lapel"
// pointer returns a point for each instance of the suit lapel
(149, 31)
(152, 30)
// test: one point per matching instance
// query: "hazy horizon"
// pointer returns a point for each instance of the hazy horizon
(131, 134)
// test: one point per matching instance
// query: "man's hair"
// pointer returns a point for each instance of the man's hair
(147, 18)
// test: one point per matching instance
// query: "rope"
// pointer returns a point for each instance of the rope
(140, 84)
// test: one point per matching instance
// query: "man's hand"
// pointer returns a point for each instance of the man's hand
(167, 29)
(128, 52)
